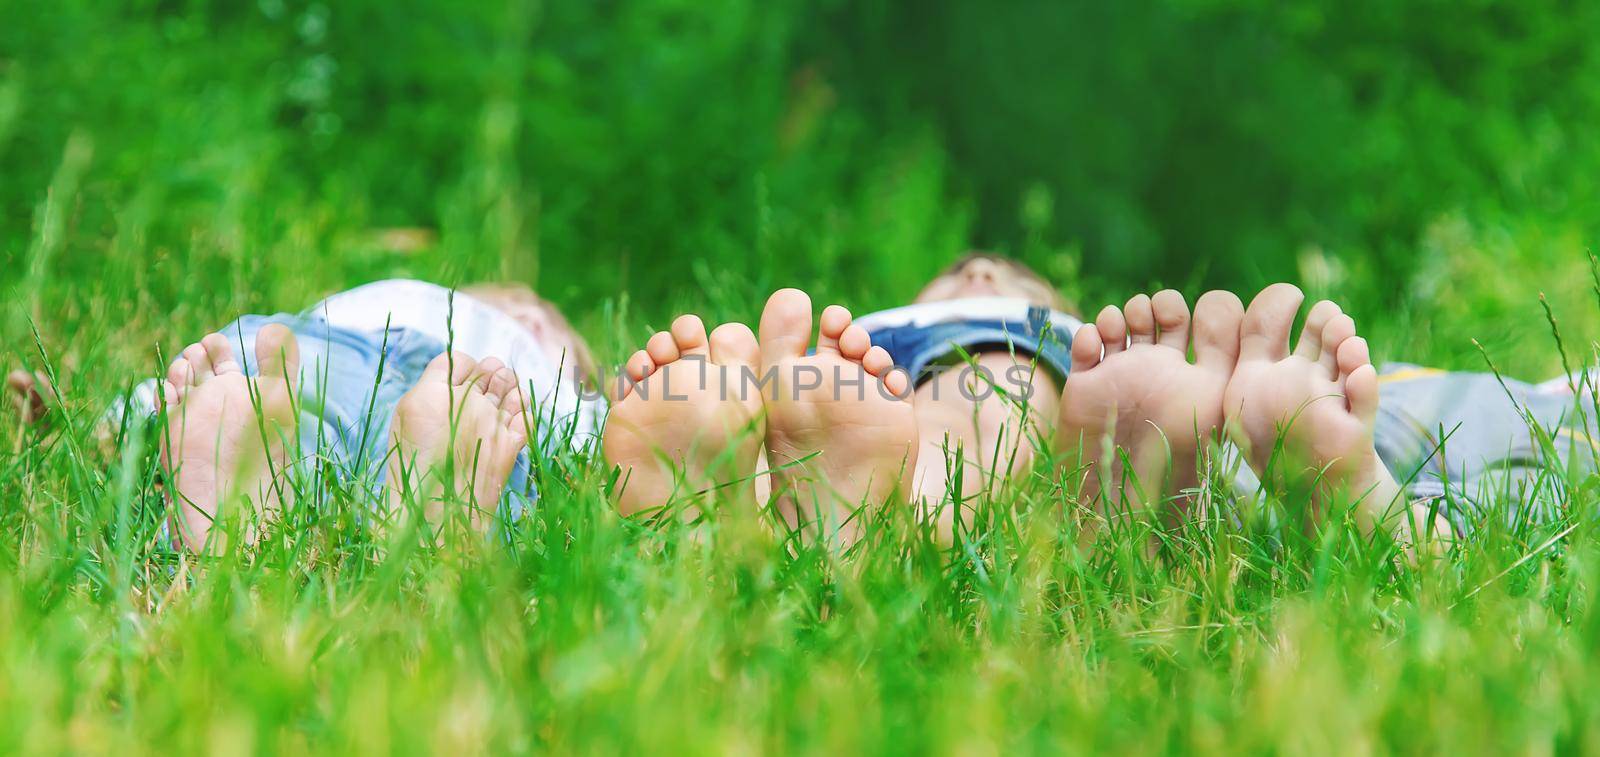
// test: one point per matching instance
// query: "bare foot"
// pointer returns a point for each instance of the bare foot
(1305, 420)
(227, 432)
(841, 430)
(31, 394)
(1142, 400)
(688, 421)
(456, 436)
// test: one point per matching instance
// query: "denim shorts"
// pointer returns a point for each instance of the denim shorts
(349, 384)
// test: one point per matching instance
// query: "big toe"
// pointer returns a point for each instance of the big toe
(785, 326)
(1216, 329)
(1264, 334)
(277, 351)
(453, 367)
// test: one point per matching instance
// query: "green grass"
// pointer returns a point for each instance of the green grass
(168, 168)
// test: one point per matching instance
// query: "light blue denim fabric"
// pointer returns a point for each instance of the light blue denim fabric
(350, 381)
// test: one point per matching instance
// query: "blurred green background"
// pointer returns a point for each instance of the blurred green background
(1433, 164)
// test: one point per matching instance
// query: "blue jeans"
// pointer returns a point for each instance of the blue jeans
(350, 382)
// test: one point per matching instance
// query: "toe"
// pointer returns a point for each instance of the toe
(662, 347)
(1113, 330)
(877, 361)
(1361, 390)
(1334, 335)
(1310, 344)
(1141, 319)
(1352, 355)
(689, 334)
(220, 354)
(181, 374)
(485, 373)
(1086, 348)
(639, 368)
(277, 351)
(854, 342)
(734, 344)
(1265, 332)
(1216, 329)
(199, 364)
(453, 367)
(512, 402)
(897, 381)
(835, 319)
(501, 383)
(785, 326)
(1172, 319)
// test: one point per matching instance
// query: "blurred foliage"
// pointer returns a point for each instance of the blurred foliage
(659, 148)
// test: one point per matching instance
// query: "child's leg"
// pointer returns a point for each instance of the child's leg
(978, 425)
(1466, 439)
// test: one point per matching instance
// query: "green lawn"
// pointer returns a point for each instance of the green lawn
(167, 166)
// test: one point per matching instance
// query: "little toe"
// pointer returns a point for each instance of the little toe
(835, 319)
(638, 368)
(854, 342)
(662, 347)
(689, 334)
(1310, 344)
(734, 344)
(1113, 330)
(785, 327)
(220, 354)
(1264, 334)
(897, 381)
(1141, 319)
(1340, 329)
(1172, 319)
(1361, 392)
(1217, 316)
(1086, 348)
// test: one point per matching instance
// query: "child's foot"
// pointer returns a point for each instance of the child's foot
(687, 420)
(1320, 403)
(456, 435)
(1143, 398)
(31, 394)
(841, 431)
(226, 432)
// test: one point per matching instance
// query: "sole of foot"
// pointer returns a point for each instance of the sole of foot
(1305, 419)
(841, 430)
(686, 426)
(455, 438)
(227, 432)
(1135, 412)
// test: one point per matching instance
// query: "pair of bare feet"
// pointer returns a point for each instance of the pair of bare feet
(1136, 414)
(696, 412)
(455, 434)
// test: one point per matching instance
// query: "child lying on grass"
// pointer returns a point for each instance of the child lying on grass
(867, 416)
(931, 403)
(420, 391)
